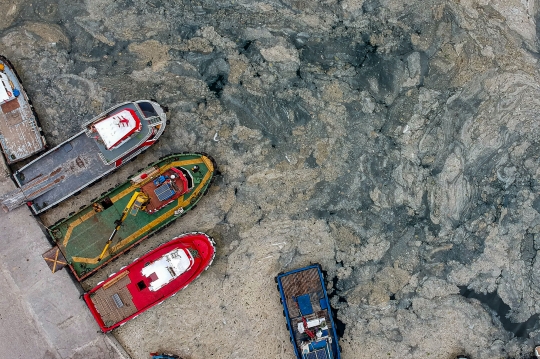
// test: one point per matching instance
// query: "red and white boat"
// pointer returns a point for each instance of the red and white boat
(105, 143)
(149, 280)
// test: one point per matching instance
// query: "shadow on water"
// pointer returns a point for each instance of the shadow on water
(340, 326)
(495, 303)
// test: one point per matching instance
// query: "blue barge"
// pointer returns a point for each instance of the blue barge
(308, 313)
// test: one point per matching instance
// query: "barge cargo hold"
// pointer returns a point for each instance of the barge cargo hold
(20, 134)
(105, 143)
(150, 279)
(129, 213)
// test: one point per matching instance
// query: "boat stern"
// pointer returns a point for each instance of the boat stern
(87, 299)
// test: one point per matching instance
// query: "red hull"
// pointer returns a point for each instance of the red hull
(126, 281)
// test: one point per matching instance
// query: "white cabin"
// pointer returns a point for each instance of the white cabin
(167, 268)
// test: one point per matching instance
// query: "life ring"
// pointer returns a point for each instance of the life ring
(9, 93)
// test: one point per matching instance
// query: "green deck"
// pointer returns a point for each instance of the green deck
(82, 236)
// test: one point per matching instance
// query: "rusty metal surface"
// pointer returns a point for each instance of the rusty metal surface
(296, 284)
(54, 259)
(11, 106)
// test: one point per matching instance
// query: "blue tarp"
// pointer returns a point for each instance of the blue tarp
(304, 303)
(318, 345)
(324, 304)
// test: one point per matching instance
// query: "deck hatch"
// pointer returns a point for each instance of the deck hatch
(141, 285)
(11, 105)
(304, 303)
(55, 259)
(117, 300)
(188, 177)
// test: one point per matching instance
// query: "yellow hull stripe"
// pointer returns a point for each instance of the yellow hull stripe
(90, 214)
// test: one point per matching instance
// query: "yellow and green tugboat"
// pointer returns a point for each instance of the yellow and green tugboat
(128, 214)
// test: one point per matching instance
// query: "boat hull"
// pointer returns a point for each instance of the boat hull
(141, 300)
(81, 160)
(82, 236)
(20, 134)
(305, 303)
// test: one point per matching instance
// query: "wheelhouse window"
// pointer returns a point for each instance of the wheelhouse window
(188, 177)
(147, 109)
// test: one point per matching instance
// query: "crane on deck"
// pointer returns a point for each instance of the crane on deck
(137, 201)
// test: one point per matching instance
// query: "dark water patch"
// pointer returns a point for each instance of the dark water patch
(334, 51)
(245, 47)
(187, 31)
(275, 117)
(216, 84)
(339, 325)
(213, 68)
(464, 253)
(528, 249)
(371, 7)
(386, 71)
(496, 304)
(105, 58)
(335, 283)
(536, 204)
(250, 49)
(299, 40)
(537, 22)
(311, 161)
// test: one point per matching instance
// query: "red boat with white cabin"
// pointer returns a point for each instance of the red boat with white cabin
(149, 280)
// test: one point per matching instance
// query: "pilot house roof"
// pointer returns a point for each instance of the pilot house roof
(115, 129)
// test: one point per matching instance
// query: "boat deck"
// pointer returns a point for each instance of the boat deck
(113, 301)
(318, 314)
(297, 284)
(78, 162)
(175, 190)
(74, 165)
(82, 237)
(149, 280)
(302, 283)
(20, 135)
